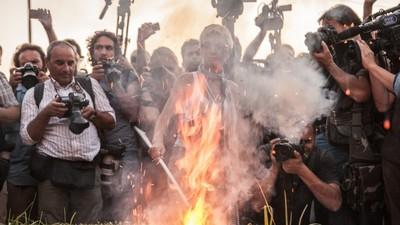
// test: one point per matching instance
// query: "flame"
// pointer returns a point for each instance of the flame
(199, 129)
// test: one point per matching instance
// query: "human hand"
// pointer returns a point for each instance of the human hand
(88, 113)
(44, 17)
(145, 31)
(295, 165)
(325, 56)
(367, 55)
(15, 78)
(55, 108)
(157, 151)
(98, 72)
(42, 76)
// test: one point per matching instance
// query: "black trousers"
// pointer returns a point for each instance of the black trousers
(391, 178)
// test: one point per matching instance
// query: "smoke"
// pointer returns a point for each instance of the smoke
(285, 98)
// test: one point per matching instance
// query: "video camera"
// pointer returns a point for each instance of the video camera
(227, 8)
(75, 102)
(283, 150)
(271, 16)
(29, 75)
(112, 70)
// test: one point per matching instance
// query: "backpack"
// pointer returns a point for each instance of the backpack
(84, 82)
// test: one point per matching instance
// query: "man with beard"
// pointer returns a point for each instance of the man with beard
(21, 186)
(120, 83)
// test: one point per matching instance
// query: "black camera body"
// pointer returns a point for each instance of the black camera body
(29, 75)
(284, 150)
(75, 102)
(314, 40)
(271, 18)
(112, 70)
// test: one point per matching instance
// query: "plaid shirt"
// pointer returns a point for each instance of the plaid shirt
(7, 97)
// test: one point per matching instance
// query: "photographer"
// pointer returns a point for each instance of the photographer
(386, 90)
(9, 112)
(350, 128)
(120, 83)
(29, 69)
(64, 160)
(310, 174)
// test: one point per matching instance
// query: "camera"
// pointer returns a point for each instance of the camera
(284, 150)
(75, 102)
(155, 26)
(29, 75)
(271, 17)
(314, 40)
(110, 163)
(112, 70)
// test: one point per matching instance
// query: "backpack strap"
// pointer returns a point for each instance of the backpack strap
(38, 93)
(85, 82)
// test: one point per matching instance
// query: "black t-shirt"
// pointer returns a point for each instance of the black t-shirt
(298, 196)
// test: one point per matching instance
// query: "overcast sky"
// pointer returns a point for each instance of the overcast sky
(179, 20)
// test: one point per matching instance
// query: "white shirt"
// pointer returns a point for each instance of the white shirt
(58, 141)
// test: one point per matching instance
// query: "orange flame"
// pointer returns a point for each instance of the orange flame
(199, 128)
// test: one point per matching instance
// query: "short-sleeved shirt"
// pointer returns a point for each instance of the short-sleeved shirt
(298, 195)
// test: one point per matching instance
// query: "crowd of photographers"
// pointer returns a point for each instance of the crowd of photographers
(69, 149)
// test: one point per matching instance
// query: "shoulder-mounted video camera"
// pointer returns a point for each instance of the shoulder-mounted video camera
(75, 102)
(283, 150)
(271, 16)
(112, 69)
(29, 75)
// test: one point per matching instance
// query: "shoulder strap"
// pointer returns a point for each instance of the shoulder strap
(86, 84)
(83, 81)
(38, 93)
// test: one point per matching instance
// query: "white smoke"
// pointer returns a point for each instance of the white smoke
(285, 99)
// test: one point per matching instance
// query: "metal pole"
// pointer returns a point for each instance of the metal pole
(29, 23)
(143, 135)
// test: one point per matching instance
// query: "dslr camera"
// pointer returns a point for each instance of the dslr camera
(112, 70)
(110, 163)
(75, 102)
(284, 150)
(314, 40)
(29, 75)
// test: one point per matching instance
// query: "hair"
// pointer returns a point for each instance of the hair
(98, 34)
(188, 43)
(134, 56)
(55, 44)
(76, 45)
(25, 47)
(341, 14)
(162, 55)
(219, 30)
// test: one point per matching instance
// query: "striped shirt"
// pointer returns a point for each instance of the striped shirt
(7, 97)
(58, 141)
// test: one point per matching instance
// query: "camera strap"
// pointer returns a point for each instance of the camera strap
(80, 82)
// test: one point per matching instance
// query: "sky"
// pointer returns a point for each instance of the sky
(179, 20)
